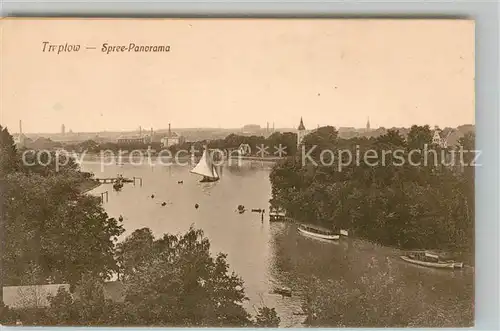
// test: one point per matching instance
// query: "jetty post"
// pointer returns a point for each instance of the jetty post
(139, 179)
(102, 196)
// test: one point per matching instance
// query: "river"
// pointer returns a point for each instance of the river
(264, 254)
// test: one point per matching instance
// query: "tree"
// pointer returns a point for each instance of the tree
(392, 138)
(389, 202)
(177, 282)
(356, 302)
(267, 318)
(324, 138)
(63, 232)
(8, 153)
(419, 136)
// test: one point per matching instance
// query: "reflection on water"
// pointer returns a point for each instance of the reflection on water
(265, 255)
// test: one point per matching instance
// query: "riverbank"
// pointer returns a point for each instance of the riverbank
(88, 185)
(465, 256)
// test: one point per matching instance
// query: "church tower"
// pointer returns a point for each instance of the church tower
(301, 132)
(368, 124)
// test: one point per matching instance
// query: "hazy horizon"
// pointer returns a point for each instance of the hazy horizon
(224, 74)
(147, 130)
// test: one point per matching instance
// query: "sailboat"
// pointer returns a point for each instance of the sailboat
(206, 168)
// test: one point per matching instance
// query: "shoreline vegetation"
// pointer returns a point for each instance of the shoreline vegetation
(407, 207)
(75, 243)
(88, 185)
(55, 233)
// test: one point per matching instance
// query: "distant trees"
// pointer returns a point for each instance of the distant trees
(287, 140)
(8, 153)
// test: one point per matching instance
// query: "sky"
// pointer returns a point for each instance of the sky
(231, 72)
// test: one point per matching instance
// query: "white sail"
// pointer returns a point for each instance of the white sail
(205, 167)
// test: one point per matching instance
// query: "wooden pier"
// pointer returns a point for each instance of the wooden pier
(112, 180)
(107, 180)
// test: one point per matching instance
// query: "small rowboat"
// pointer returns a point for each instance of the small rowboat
(317, 232)
(431, 260)
(283, 291)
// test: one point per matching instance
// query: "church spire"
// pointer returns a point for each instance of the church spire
(368, 123)
(301, 125)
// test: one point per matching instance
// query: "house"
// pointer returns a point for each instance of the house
(133, 139)
(172, 138)
(438, 140)
(36, 296)
(244, 149)
(30, 296)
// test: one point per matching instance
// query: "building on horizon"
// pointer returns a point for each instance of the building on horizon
(301, 132)
(134, 138)
(63, 129)
(172, 138)
(437, 138)
(251, 129)
(20, 138)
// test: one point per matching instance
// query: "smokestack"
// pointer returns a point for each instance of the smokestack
(20, 127)
(140, 131)
(273, 126)
(169, 132)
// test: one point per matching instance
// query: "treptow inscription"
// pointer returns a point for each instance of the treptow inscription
(106, 48)
(59, 48)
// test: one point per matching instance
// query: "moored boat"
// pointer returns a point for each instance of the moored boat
(430, 260)
(283, 291)
(317, 232)
(276, 214)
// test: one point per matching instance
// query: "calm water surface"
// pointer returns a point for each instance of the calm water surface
(264, 254)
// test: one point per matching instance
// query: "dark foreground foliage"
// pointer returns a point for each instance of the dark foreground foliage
(54, 234)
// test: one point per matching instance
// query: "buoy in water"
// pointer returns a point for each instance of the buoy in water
(196, 206)
(152, 196)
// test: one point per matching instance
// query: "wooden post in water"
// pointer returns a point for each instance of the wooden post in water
(139, 179)
(102, 196)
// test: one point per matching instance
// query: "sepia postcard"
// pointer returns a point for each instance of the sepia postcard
(237, 172)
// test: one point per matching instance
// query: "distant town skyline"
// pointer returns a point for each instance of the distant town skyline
(230, 73)
(146, 130)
